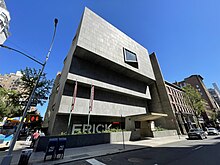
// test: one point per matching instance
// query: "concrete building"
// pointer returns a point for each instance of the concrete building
(50, 115)
(173, 102)
(4, 22)
(125, 85)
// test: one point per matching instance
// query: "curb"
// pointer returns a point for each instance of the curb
(98, 155)
(78, 158)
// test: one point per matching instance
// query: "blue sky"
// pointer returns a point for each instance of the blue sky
(185, 34)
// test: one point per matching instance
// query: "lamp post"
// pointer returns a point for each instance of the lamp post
(7, 158)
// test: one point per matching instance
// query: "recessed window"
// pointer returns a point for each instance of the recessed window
(130, 58)
(57, 89)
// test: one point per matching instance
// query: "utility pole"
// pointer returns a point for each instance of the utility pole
(7, 158)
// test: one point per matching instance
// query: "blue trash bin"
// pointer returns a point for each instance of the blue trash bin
(61, 147)
(51, 148)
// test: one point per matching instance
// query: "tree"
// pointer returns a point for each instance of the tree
(2, 103)
(194, 99)
(9, 103)
(29, 77)
(12, 102)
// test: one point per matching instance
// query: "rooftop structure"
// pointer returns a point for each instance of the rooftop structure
(4, 22)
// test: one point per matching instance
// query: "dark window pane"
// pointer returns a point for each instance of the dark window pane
(129, 56)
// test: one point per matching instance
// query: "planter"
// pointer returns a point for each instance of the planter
(164, 133)
(75, 140)
(88, 139)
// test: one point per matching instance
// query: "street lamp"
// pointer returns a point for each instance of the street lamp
(7, 158)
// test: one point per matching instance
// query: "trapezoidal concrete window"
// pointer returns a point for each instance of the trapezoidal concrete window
(130, 58)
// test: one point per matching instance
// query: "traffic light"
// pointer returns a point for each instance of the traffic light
(32, 118)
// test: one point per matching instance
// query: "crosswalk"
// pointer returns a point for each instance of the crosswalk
(94, 162)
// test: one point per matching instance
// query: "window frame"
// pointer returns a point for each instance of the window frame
(125, 56)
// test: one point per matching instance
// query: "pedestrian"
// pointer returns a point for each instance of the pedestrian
(35, 136)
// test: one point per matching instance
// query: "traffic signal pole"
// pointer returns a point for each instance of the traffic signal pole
(7, 158)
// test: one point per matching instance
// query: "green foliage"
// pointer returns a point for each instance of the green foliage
(29, 78)
(2, 103)
(115, 130)
(214, 116)
(194, 99)
(12, 102)
(159, 129)
(9, 103)
(78, 132)
(63, 133)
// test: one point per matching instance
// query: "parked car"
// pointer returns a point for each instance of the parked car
(212, 131)
(197, 133)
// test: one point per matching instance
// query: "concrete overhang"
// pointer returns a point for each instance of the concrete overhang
(148, 117)
(97, 59)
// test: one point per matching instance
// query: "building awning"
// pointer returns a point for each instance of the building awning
(147, 117)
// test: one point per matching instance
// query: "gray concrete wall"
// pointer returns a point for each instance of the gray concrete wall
(96, 57)
(88, 72)
(115, 94)
(103, 39)
(170, 121)
(98, 38)
(125, 135)
(106, 103)
(50, 115)
(59, 125)
(89, 139)
(146, 129)
(74, 140)
(165, 133)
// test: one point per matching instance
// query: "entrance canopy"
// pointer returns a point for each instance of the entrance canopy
(147, 117)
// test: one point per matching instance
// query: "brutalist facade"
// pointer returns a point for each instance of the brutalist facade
(125, 87)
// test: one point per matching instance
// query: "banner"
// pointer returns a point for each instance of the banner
(91, 98)
(74, 96)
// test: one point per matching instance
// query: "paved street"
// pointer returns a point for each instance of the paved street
(156, 151)
(87, 152)
(196, 152)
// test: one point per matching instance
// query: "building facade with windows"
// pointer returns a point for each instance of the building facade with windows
(4, 22)
(215, 93)
(184, 113)
(196, 81)
(118, 71)
(11, 81)
(173, 102)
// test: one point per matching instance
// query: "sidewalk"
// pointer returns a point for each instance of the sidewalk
(73, 154)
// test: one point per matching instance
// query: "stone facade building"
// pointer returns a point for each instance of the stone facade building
(11, 81)
(120, 74)
(110, 81)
